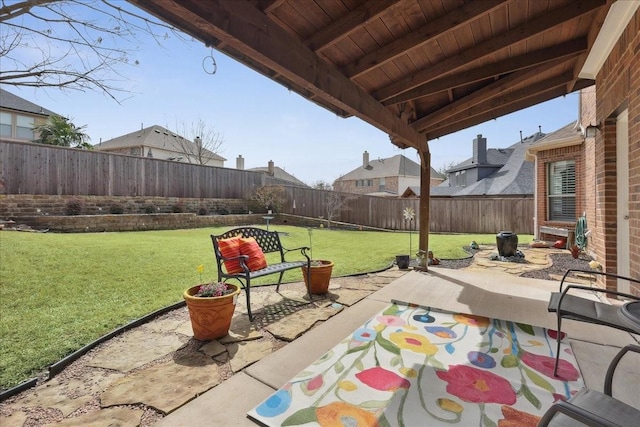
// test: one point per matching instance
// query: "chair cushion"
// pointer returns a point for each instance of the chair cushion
(230, 248)
(250, 247)
(586, 310)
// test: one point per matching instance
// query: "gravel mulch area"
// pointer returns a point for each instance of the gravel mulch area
(560, 263)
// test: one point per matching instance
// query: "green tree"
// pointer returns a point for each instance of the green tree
(60, 131)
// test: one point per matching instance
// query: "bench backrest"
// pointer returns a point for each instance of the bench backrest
(269, 241)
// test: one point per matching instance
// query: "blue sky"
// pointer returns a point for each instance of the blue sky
(260, 119)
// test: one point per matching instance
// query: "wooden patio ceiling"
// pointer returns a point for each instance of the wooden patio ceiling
(416, 69)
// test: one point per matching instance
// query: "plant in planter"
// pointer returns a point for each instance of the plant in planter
(317, 280)
(211, 307)
(403, 261)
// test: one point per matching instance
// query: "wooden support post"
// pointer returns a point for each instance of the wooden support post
(425, 192)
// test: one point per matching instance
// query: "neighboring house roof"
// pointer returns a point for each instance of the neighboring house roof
(382, 194)
(411, 191)
(495, 157)
(516, 176)
(14, 102)
(153, 137)
(569, 135)
(280, 173)
(397, 165)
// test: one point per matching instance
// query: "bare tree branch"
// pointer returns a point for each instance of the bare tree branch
(73, 44)
(199, 142)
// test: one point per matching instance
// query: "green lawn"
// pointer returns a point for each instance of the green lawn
(58, 292)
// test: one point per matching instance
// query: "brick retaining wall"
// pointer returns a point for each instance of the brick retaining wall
(135, 222)
(16, 206)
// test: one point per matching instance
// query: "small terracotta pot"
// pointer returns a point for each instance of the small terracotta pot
(320, 276)
(210, 316)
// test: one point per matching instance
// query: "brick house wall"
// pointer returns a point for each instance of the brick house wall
(587, 117)
(575, 153)
(618, 88)
(390, 184)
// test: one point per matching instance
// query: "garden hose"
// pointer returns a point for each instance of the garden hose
(581, 229)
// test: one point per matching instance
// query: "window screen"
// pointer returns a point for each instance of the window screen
(562, 190)
(24, 127)
(5, 124)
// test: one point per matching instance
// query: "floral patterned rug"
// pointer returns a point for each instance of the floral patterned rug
(418, 366)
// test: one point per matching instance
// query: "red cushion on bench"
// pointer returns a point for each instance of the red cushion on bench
(230, 248)
(250, 247)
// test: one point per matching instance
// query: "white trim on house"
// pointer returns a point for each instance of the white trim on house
(533, 150)
(614, 24)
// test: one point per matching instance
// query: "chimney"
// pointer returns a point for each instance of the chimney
(365, 160)
(240, 163)
(480, 150)
(270, 168)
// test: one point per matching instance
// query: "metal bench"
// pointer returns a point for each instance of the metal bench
(269, 241)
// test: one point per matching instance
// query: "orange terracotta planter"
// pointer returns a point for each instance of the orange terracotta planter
(210, 316)
(320, 276)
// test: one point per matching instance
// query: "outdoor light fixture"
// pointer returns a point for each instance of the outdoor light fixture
(591, 130)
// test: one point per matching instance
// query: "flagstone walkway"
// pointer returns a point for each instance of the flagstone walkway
(145, 373)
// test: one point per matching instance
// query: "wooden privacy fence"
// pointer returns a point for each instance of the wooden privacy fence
(447, 214)
(27, 168)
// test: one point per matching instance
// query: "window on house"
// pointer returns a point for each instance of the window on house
(562, 190)
(381, 184)
(5, 124)
(24, 127)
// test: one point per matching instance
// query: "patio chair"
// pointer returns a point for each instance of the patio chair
(573, 307)
(594, 408)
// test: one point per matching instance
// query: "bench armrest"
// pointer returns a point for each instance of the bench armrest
(303, 250)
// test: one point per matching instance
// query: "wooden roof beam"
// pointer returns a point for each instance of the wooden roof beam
(594, 30)
(504, 110)
(495, 102)
(518, 34)
(446, 23)
(246, 29)
(484, 94)
(558, 81)
(564, 50)
(353, 20)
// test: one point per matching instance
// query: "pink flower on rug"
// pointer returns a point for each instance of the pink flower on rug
(471, 320)
(382, 379)
(554, 334)
(315, 383)
(474, 385)
(544, 365)
(344, 414)
(389, 320)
